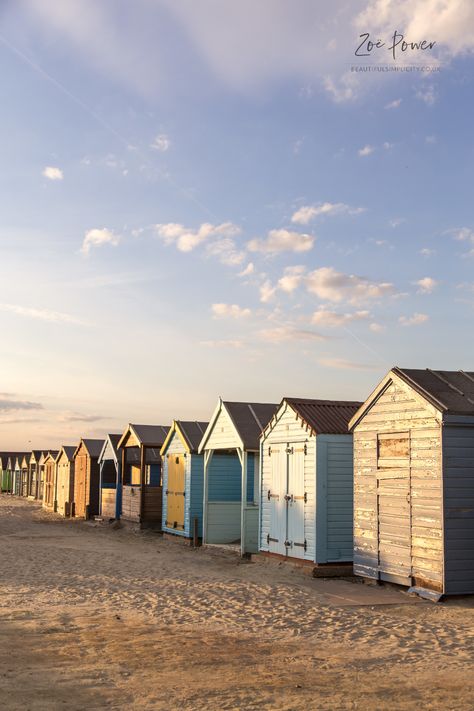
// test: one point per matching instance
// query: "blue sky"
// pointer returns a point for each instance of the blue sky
(201, 199)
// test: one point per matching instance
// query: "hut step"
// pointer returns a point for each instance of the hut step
(426, 594)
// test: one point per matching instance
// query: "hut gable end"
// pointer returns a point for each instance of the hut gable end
(222, 433)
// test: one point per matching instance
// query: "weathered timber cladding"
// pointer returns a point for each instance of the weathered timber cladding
(108, 503)
(86, 483)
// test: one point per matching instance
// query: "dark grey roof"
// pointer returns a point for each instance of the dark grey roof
(325, 416)
(249, 419)
(69, 451)
(114, 440)
(192, 432)
(151, 435)
(93, 446)
(5, 456)
(452, 391)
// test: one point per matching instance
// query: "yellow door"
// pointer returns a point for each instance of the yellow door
(175, 492)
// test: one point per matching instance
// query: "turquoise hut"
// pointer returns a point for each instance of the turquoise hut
(183, 476)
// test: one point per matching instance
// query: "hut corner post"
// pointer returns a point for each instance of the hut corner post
(118, 492)
(101, 467)
(142, 481)
(243, 461)
(207, 463)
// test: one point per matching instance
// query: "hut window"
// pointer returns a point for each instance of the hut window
(134, 475)
(393, 450)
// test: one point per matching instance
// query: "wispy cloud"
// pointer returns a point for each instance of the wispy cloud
(343, 364)
(282, 240)
(280, 334)
(332, 319)
(42, 314)
(52, 173)
(77, 417)
(226, 251)
(248, 271)
(395, 104)
(7, 405)
(308, 212)
(230, 311)
(98, 237)
(161, 143)
(225, 343)
(426, 252)
(186, 239)
(292, 278)
(331, 285)
(415, 320)
(428, 95)
(366, 151)
(267, 292)
(426, 285)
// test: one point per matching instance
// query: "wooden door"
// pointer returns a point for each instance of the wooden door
(276, 495)
(296, 501)
(394, 508)
(176, 492)
(80, 484)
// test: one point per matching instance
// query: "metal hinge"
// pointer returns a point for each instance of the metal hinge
(273, 540)
(269, 451)
(289, 450)
(301, 545)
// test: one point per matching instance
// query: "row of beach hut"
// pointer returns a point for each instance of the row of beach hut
(387, 484)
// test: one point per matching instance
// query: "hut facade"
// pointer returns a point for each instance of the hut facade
(49, 489)
(231, 487)
(17, 488)
(33, 483)
(110, 482)
(183, 478)
(307, 481)
(142, 490)
(86, 478)
(25, 466)
(7, 469)
(40, 474)
(414, 482)
(64, 480)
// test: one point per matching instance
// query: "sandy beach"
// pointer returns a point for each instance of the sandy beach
(95, 617)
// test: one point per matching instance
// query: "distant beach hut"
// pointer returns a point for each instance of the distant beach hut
(142, 490)
(86, 478)
(183, 478)
(33, 481)
(231, 488)
(49, 489)
(110, 480)
(40, 473)
(414, 482)
(307, 481)
(7, 470)
(17, 488)
(64, 480)
(25, 463)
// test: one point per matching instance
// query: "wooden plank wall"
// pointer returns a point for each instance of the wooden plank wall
(400, 409)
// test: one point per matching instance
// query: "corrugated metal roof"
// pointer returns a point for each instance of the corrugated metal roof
(151, 435)
(250, 419)
(192, 432)
(452, 391)
(93, 446)
(325, 416)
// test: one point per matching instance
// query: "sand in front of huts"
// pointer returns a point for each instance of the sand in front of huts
(92, 618)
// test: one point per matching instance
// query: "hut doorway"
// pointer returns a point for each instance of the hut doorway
(287, 499)
(176, 492)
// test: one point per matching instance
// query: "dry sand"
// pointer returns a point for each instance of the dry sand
(92, 618)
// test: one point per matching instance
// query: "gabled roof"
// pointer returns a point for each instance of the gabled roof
(51, 454)
(68, 451)
(112, 440)
(147, 435)
(324, 416)
(36, 453)
(191, 434)
(248, 418)
(451, 392)
(93, 446)
(5, 456)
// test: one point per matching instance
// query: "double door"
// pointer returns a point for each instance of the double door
(176, 492)
(287, 499)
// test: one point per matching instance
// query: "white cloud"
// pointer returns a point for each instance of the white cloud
(267, 292)
(331, 319)
(377, 327)
(249, 269)
(282, 240)
(308, 212)
(226, 251)
(225, 343)
(425, 252)
(42, 314)
(187, 239)
(297, 146)
(161, 143)
(342, 89)
(53, 173)
(387, 146)
(462, 234)
(331, 285)
(229, 311)
(291, 279)
(343, 364)
(393, 104)
(98, 237)
(396, 221)
(426, 285)
(414, 320)
(366, 150)
(428, 95)
(280, 334)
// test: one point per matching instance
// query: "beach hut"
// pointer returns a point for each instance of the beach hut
(64, 492)
(142, 490)
(25, 465)
(183, 477)
(414, 482)
(86, 478)
(110, 481)
(7, 466)
(40, 473)
(33, 483)
(307, 481)
(17, 489)
(231, 489)
(49, 489)
(11, 472)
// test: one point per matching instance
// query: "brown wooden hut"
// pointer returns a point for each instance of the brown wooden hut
(49, 480)
(64, 480)
(86, 478)
(33, 481)
(24, 465)
(142, 490)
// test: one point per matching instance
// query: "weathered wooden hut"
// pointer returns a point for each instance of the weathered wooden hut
(7, 468)
(49, 489)
(414, 482)
(110, 481)
(142, 491)
(25, 463)
(231, 489)
(307, 481)
(17, 488)
(33, 482)
(40, 473)
(183, 478)
(64, 492)
(86, 478)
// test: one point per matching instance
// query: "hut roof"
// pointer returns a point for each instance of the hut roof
(324, 416)
(147, 435)
(248, 419)
(93, 446)
(5, 456)
(114, 440)
(68, 451)
(452, 391)
(191, 433)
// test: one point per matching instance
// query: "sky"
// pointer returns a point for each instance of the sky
(204, 198)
